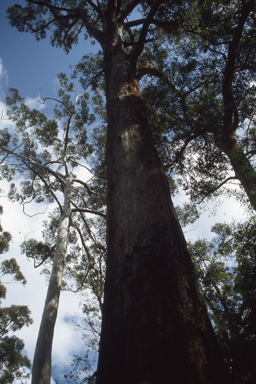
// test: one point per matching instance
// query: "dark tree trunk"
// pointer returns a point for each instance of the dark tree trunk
(155, 328)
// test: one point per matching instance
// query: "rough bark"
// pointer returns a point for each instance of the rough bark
(41, 371)
(155, 327)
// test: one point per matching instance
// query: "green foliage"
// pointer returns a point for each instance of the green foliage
(38, 251)
(5, 238)
(187, 214)
(226, 268)
(90, 71)
(14, 318)
(12, 268)
(13, 362)
(193, 113)
(4, 137)
(65, 32)
(81, 370)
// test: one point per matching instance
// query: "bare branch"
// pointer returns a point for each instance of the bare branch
(35, 214)
(81, 165)
(86, 186)
(47, 186)
(4, 158)
(133, 23)
(72, 224)
(52, 98)
(85, 210)
(218, 187)
(92, 235)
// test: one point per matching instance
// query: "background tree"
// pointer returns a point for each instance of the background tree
(40, 156)
(226, 270)
(202, 107)
(13, 362)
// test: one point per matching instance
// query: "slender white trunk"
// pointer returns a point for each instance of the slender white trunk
(41, 372)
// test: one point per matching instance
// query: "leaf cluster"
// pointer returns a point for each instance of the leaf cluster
(13, 362)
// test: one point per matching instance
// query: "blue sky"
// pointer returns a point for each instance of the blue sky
(31, 67)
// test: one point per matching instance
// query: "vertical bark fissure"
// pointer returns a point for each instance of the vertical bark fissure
(154, 322)
(41, 371)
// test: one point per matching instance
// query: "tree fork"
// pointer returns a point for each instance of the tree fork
(155, 327)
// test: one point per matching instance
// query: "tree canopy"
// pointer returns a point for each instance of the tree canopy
(226, 270)
(200, 57)
(13, 363)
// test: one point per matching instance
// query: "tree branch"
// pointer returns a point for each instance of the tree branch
(144, 30)
(47, 186)
(71, 14)
(146, 68)
(85, 210)
(230, 119)
(92, 235)
(86, 186)
(28, 160)
(82, 239)
(131, 6)
(218, 187)
(133, 23)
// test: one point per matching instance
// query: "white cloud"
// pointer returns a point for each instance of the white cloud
(33, 103)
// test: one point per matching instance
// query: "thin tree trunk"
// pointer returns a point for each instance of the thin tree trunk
(225, 139)
(242, 167)
(41, 372)
(155, 327)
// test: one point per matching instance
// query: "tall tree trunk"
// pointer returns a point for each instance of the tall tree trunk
(155, 327)
(41, 371)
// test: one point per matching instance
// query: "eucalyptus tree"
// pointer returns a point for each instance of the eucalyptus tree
(155, 327)
(202, 108)
(226, 268)
(13, 363)
(46, 153)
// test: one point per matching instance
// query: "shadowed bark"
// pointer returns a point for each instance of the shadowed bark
(155, 326)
